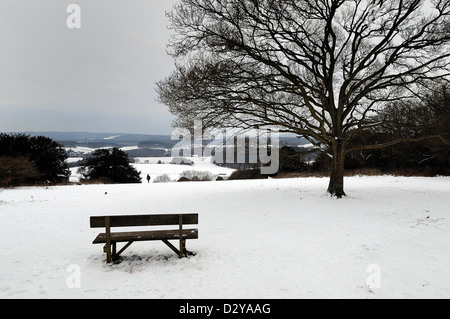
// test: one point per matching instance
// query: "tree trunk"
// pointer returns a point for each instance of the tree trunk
(336, 186)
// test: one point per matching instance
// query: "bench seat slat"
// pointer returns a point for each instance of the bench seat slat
(147, 235)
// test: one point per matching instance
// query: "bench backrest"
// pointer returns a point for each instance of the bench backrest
(144, 220)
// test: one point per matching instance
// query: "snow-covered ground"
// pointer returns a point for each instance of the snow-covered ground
(148, 165)
(276, 238)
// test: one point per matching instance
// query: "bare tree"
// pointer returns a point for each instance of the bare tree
(317, 68)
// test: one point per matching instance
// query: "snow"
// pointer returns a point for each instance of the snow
(74, 159)
(84, 149)
(175, 170)
(309, 145)
(129, 148)
(111, 137)
(275, 238)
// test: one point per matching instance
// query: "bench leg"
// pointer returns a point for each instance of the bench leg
(111, 251)
(116, 256)
(182, 248)
(108, 239)
(169, 244)
(179, 253)
(186, 252)
(107, 250)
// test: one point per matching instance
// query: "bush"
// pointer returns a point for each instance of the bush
(101, 180)
(32, 159)
(111, 166)
(162, 179)
(252, 173)
(291, 160)
(198, 176)
(15, 171)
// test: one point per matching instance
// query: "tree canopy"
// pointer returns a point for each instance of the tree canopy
(111, 166)
(27, 159)
(321, 69)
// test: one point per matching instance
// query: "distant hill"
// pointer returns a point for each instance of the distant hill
(104, 139)
(136, 145)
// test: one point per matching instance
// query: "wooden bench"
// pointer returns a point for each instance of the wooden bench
(110, 239)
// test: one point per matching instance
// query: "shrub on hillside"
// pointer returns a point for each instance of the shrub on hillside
(252, 173)
(32, 160)
(15, 171)
(291, 160)
(111, 165)
(162, 179)
(198, 176)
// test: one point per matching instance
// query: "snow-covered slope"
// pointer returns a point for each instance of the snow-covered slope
(257, 239)
(149, 165)
(175, 170)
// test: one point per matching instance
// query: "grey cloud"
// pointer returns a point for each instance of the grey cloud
(97, 78)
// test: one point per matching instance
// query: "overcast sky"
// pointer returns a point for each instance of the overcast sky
(99, 78)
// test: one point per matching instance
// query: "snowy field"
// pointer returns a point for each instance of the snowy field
(149, 165)
(257, 239)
